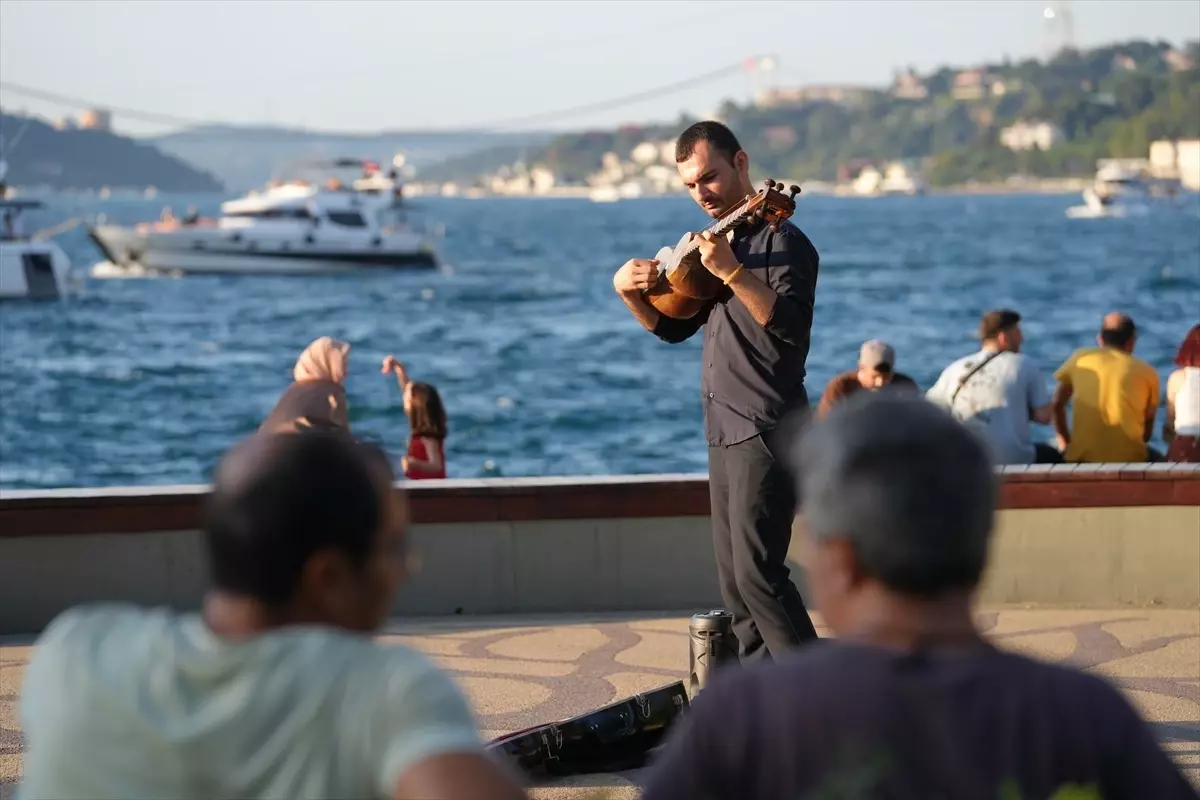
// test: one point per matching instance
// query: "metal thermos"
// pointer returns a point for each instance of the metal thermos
(711, 644)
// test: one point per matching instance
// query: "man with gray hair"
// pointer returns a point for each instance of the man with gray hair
(910, 701)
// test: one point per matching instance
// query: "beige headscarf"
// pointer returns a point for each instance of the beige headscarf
(323, 360)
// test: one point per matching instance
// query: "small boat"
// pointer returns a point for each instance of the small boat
(1121, 190)
(30, 268)
(297, 227)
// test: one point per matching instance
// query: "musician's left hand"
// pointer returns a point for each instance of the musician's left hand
(717, 256)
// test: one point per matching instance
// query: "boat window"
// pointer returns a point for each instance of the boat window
(271, 213)
(350, 219)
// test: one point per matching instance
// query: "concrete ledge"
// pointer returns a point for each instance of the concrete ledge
(138, 509)
(1103, 535)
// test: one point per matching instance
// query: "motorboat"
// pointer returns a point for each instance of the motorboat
(294, 227)
(31, 268)
(1123, 189)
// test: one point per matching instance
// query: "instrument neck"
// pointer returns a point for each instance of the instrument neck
(736, 216)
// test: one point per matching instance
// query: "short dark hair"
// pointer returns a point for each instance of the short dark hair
(1119, 335)
(908, 486)
(997, 322)
(280, 498)
(717, 135)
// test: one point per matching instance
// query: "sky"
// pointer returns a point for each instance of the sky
(373, 65)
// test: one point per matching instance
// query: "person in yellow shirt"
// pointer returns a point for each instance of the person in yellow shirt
(1114, 397)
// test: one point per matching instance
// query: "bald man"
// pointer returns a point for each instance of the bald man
(277, 688)
(1114, 397)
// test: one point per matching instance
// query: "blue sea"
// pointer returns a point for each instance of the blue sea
(542, 369)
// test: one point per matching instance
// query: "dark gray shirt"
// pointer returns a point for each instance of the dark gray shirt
(852, 720)
(754, 375)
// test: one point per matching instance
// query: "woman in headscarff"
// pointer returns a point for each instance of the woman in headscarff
(316, 398)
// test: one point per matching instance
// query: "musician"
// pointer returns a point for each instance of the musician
(756, 339)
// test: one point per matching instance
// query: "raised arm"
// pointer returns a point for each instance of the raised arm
(391, 364)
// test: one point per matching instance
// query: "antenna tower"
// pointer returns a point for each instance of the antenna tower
(1060, 28)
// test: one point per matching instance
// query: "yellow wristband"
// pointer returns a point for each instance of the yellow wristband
(729, 280)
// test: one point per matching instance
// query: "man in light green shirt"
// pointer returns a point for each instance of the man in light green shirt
(276, 689)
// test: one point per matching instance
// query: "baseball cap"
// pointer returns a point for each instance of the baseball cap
(876, 353)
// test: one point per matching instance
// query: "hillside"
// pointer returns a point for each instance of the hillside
(1109, 101)
(245, 158)
(91, 159)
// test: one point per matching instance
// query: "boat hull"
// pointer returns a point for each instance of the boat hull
(33, 271)
(218, 251)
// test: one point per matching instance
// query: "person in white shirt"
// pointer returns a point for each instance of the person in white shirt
(997, 392)
(1181, 429)
(276, 689)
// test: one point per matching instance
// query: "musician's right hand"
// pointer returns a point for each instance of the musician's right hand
(637, 275)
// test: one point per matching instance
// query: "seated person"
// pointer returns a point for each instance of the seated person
(1114, 398)
(276, 689)
(997, 391)
(876, 369)
(317, 397)
(910, 700)
(1181, 428)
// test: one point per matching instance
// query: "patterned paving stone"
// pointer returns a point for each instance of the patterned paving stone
(521, 672)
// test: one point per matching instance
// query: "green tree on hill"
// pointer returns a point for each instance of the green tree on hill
(1108, 101)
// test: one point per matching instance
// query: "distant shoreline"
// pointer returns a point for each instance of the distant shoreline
(1063, 187)
(816, 188)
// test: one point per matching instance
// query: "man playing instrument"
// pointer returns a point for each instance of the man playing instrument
(756, 340)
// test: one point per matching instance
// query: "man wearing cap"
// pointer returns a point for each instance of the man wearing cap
(876, 370)
(998, 391)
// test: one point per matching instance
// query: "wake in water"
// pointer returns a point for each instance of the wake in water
(107, 270)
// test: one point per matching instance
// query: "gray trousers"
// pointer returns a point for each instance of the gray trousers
(753, 503)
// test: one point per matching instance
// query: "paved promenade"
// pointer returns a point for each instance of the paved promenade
(521, 672)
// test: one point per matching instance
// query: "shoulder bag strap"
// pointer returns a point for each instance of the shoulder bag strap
(971, 373)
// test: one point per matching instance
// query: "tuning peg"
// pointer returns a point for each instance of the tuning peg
(795, 190)
(770, 184)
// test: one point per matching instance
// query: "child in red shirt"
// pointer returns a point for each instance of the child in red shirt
(426, 457)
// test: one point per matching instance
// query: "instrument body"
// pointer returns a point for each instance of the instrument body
(684, 285)
(616, 737)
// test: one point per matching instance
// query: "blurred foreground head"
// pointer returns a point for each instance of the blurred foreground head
(308, 527)
(897, 499)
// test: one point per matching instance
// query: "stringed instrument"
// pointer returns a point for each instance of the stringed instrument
(684, 285)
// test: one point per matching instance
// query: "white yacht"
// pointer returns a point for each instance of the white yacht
(294, 227)
(1123, 190)
(30, 268)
